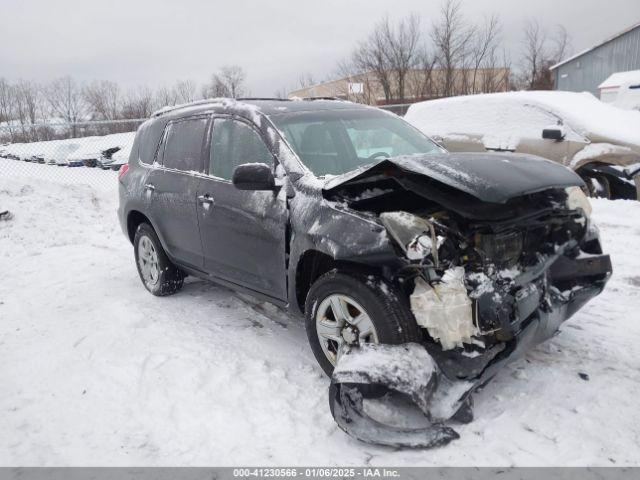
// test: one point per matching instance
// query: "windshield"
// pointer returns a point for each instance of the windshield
(338, 141)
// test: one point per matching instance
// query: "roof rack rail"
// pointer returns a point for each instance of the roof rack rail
(324, 98)
(242, 99)
(171, 108)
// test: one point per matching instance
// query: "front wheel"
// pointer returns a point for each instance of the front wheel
(351, 309)
(158, 274)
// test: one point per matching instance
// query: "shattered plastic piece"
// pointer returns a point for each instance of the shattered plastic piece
(410, 366)
(401, 369)
(348, 412)
(445, 309)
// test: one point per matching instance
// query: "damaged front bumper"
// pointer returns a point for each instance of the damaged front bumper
(530, 308)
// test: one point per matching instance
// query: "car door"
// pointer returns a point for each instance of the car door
(171, 189)
(531, 120)
(242, 232)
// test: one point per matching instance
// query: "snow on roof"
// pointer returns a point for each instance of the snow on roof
(621, 78)
(579, 54)
(583, 112)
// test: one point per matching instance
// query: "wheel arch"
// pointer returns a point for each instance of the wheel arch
(620, 186)
(134, 219)
(312, 264)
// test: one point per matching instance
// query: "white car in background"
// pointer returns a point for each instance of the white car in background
(622, 89)
(600, 142)
(120, 157)
(58, 153)
(92, 150)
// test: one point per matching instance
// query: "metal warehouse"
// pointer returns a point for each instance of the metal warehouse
(588, 69)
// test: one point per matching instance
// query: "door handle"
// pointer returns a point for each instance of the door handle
(205, 199)
(150, 186)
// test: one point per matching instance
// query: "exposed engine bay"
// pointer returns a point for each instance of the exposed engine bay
(487, 278)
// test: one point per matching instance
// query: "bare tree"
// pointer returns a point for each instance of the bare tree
(139, 103)
(185, 91)
(402, 48)
(228, 82)
(483, 50)
(306, 80)
(372, 56)
(165, 97)
(103, 99)
(452, 37)
(496, 73)
(64, 97)
(7, 110)
(281, 93)
(27, 108)
(421, 83)
(535, 39)
(540, 53)
(561, 44)
(7, 99)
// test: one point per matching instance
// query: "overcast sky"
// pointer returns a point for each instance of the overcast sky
(155, 42)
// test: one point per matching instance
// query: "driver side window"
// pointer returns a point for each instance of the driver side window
(234, 143)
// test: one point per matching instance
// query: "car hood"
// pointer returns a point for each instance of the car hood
(490, 177)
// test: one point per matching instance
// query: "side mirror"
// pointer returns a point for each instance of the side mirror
(553, 133)
(254, 176)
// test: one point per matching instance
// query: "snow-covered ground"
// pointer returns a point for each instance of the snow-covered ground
(96, 371)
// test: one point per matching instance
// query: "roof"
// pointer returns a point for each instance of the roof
(621, 78)
(267, 106)
(573, 57)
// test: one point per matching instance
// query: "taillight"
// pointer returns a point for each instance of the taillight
(123, 169)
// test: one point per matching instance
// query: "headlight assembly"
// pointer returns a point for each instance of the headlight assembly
(415, 235)
(576, 199)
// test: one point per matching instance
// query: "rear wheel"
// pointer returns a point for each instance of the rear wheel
(350, 309)
(158, 274)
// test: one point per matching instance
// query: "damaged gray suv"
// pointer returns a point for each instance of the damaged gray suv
(351, 217)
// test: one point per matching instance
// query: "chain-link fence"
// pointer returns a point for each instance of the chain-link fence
(80, 152)
(76, 152)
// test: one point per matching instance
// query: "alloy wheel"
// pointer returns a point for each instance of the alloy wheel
(341, 321)
(148, 261)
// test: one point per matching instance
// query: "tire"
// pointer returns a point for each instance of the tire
(388, 310)
(168, 278)
(597, 186)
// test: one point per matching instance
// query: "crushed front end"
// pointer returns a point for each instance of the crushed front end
(495, 288)
(486, 281)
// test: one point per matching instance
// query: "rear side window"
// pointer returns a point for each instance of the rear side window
(234, 143)
(183, 145)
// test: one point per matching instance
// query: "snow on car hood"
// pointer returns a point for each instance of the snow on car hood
(494, 178)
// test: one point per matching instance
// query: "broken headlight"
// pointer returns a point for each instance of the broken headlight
(502, 249)
(415, 235)
(576, 199)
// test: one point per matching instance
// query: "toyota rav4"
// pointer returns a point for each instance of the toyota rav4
(351, 217)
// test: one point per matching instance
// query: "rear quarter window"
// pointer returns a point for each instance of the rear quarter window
(183, 145)
(149, 138)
